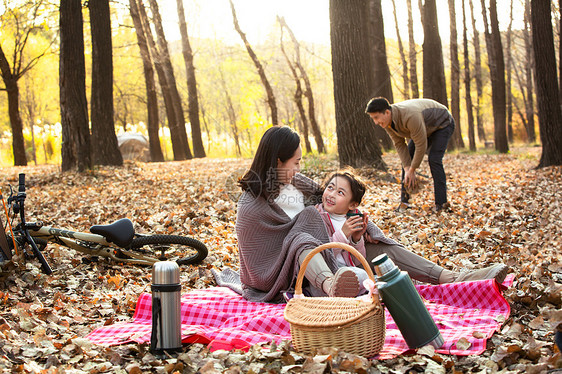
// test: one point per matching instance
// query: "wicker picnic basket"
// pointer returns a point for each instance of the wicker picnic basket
(353, 325)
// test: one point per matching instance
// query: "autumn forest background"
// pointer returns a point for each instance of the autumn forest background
(201, 80)
(194, 96)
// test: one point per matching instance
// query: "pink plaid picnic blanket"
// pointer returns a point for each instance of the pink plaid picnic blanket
(222, 318)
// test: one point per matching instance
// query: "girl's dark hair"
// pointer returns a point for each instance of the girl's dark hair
(357, 185)
(277, 143)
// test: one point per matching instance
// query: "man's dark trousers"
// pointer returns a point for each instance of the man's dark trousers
(436, 147)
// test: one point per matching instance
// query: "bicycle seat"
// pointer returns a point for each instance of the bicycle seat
(120, 232)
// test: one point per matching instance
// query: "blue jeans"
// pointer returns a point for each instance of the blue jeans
(436, 147)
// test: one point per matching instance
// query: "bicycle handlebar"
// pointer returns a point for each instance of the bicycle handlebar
(20, 206)
(21, 187)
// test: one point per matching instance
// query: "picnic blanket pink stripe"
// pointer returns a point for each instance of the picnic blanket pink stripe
(222, 318)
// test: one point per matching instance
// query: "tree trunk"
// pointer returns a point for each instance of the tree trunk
(205, 125)
(28, 105)
(298, 91)
(233, 121)
(308, 94)
(529, 67)
(193, 103)
(181, 149)
(302, 114)
(33, 147)
(413, 54)
(477, 75)
(358, 145)
(382, 84)
(498, 94)
(468, 94)
(550, 115)
(121, 116)
(151, 94)
(509, 97)
(75, 150)
(405, 79)
(497, 76)
(164, 85)
(231, 112)
(11, 83)
(434, 86)
(104, 140)
(318, 139)
(522, 116)
(26, 19)
(261, 72)
(560, 52)
(455, 79)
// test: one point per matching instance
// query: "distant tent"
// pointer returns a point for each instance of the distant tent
(133, 147)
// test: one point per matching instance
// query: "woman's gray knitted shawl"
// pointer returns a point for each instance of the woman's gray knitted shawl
(270, 243)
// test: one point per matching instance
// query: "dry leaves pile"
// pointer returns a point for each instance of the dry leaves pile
(503, 210)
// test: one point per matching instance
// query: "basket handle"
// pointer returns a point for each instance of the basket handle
(320, 248)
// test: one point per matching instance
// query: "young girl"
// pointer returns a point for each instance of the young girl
(342, 195)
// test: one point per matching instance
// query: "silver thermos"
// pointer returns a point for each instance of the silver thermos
(166, 307)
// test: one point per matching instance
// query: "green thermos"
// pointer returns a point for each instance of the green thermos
(405, 305)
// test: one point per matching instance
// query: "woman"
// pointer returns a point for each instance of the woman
(276, 231)
(277, 226)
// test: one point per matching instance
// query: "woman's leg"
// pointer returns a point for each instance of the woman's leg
(417, 267)
(317, 271)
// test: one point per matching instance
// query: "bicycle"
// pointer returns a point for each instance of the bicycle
(117, 241)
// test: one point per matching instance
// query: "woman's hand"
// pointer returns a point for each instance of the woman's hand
(369, 239)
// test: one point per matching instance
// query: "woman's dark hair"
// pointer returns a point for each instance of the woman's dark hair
(277, 143)
(377, 105)
(357, 185)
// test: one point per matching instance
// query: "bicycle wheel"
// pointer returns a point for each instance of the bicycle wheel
(182, 249)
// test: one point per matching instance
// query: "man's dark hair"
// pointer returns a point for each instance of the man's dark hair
(377, 105)
(277, 143)
(357, 185)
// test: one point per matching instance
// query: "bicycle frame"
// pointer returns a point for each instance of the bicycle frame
(87, 243)
(117, 241)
